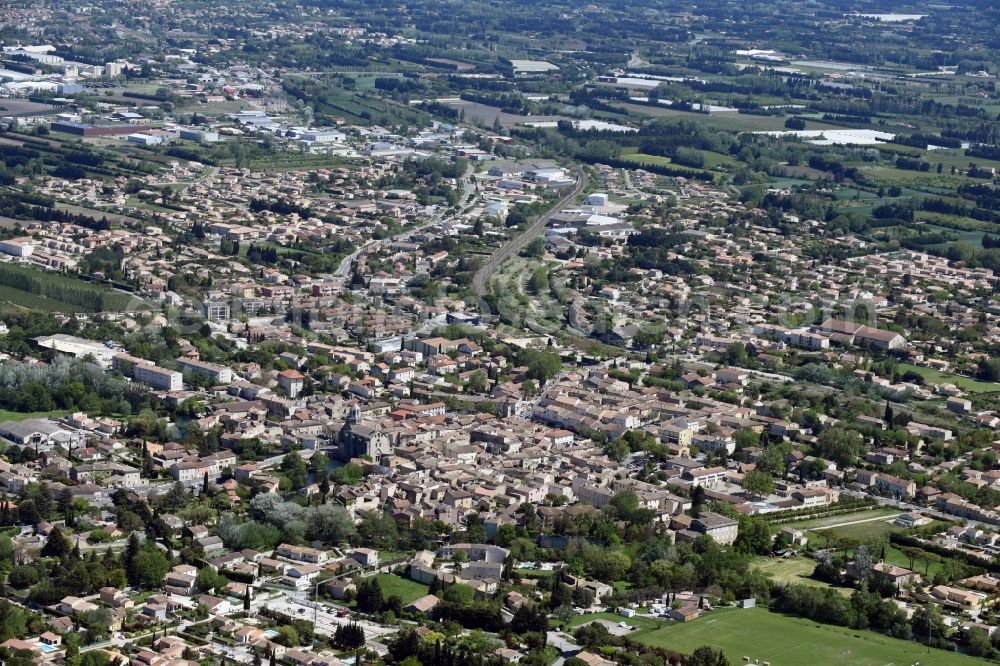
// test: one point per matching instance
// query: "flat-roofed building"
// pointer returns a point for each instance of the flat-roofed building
(147, 372)
(77, 347)
(218, 374)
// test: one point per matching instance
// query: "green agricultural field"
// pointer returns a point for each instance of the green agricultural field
(404, 588)
(643, 158)
(781, 181)
(957, 158)
(937, 377)
(34, 288)
(788, 641)
(966, 228)
(12, 300)
(718, 160)
(659, 160)
(95, 214)
(733, 122)
(888, 175)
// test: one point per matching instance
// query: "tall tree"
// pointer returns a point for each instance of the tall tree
(66, 506)
(56, 545)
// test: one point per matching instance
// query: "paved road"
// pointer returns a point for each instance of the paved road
(883, 519)
(909, 507)
(468, 191)
(501, 255)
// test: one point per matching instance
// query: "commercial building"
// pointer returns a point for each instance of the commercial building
(77, 347)
(198, 135)
(83, 129)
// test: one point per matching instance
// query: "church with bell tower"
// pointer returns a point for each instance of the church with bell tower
(359, 438)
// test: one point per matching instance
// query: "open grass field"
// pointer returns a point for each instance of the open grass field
(6, 415)
(405, 589)
(866, 530)
(834, 521)
(825, 532)
(793, 571)
(937, 377)
(788, 641)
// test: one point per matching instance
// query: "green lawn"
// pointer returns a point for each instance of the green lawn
(535, 573)
(964, 383)
(390, 555)
(794, 571)
(404, 588)
(6, 415)
(824, 532)
(788, 641)
(834, 521)
(860, 530)
(895, 556)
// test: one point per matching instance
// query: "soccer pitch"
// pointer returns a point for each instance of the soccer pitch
(788, 641)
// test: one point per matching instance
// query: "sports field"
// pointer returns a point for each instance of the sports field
(789, 641)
